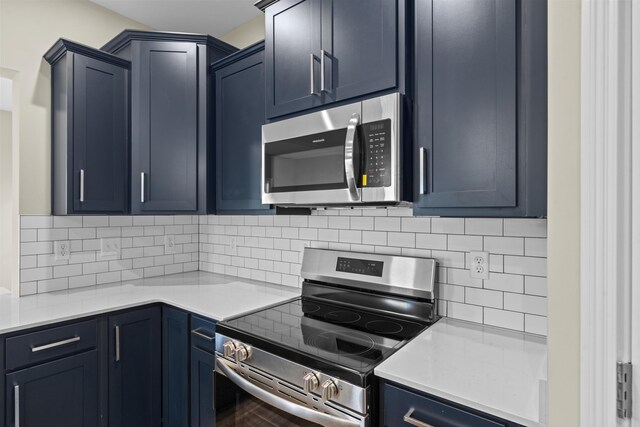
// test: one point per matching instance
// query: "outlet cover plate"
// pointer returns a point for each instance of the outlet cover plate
(110, 248)
(61, 250)
(169, 244)
(479, 266)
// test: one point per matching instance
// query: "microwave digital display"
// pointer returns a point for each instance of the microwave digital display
(376, 171)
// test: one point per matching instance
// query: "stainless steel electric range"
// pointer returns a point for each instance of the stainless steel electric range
(310, 361)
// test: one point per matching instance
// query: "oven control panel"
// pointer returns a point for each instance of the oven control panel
(376, 153)
(360, 266)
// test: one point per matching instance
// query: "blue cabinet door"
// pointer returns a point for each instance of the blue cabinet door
(100, 136)
(175, 367)
(240, 114)
(360, 47)
(292, 56)
(56, 394)
(164, 117)
(466, 102)
(135, 369)
(480, 108)
(202, 376)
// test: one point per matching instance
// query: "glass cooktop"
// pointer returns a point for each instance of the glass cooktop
(353, 338)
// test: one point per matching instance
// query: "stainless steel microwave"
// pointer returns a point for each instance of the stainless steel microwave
(343, 156)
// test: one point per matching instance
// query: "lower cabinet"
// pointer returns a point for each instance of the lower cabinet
(402, 407)
(146, 367)
(175, 367)
(203, 361)
(135, 369)
(61, 393)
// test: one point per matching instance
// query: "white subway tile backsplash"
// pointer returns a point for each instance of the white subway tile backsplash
(504, 245)
(504, 319)
(528, 227)
(447, 225)
(483, 226)
(270, 248)
(529, 266)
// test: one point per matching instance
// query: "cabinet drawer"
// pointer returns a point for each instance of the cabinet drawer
(399, 403)
(203, 334)
(53, 343)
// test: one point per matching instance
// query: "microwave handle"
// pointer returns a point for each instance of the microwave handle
(349, 168)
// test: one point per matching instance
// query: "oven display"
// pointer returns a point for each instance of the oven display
(360, 266)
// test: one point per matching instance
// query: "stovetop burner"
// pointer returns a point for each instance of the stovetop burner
(355, 338)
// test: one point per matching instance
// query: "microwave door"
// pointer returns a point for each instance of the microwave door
(318, 168)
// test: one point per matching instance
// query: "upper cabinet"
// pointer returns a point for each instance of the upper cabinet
(90, 134)
(323, 51)
(480, 108)
(170, 109)
(239, 116)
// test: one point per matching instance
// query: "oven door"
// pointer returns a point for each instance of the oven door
(312, 159)
(241, 402)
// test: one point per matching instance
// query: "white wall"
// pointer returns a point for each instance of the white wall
(28, 28)
(246, 34)
(564, 212)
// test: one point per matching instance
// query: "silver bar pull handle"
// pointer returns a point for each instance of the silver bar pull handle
(55, 344)
(16, 403)
(304, 412)
(323, 87)
(349, 168)
(201, 335)
(422, 177)
(82, 185)
(117, 333)
(141, 187)
(312, 59)
(410, 420)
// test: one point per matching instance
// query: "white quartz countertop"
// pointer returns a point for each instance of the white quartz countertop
(209, 295)
(493, 370)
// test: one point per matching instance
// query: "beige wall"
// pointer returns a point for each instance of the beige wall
(564, 213)
(6, 203)
(28, 28)
(245, 34)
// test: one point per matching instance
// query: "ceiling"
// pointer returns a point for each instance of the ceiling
(215, 17)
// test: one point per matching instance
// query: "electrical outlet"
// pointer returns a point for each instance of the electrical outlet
(61, 250)
(169, 244)
(109, 248)
(479, 268)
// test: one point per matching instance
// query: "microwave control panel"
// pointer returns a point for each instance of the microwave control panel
(376, 171)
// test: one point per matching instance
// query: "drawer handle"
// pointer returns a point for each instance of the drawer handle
(197, 333)
(16, 405)
(117, 334)
(410, 420)
(54, 344)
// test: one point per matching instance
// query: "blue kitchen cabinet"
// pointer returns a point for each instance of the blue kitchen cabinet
(175, 367)
(51, 376)
(170, 118)
(135, 382)
(318, 52)
(90, 130)
(61, 393)
(239, 116)
(202, 372)
(292, 49)
(480, 108)
(404, 407)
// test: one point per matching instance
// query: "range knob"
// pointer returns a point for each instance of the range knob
(310, 382)
(243, 352)
(229, 349)
(329, 390)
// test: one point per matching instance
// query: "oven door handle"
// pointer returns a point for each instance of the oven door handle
(349, 168)
(280, 403)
